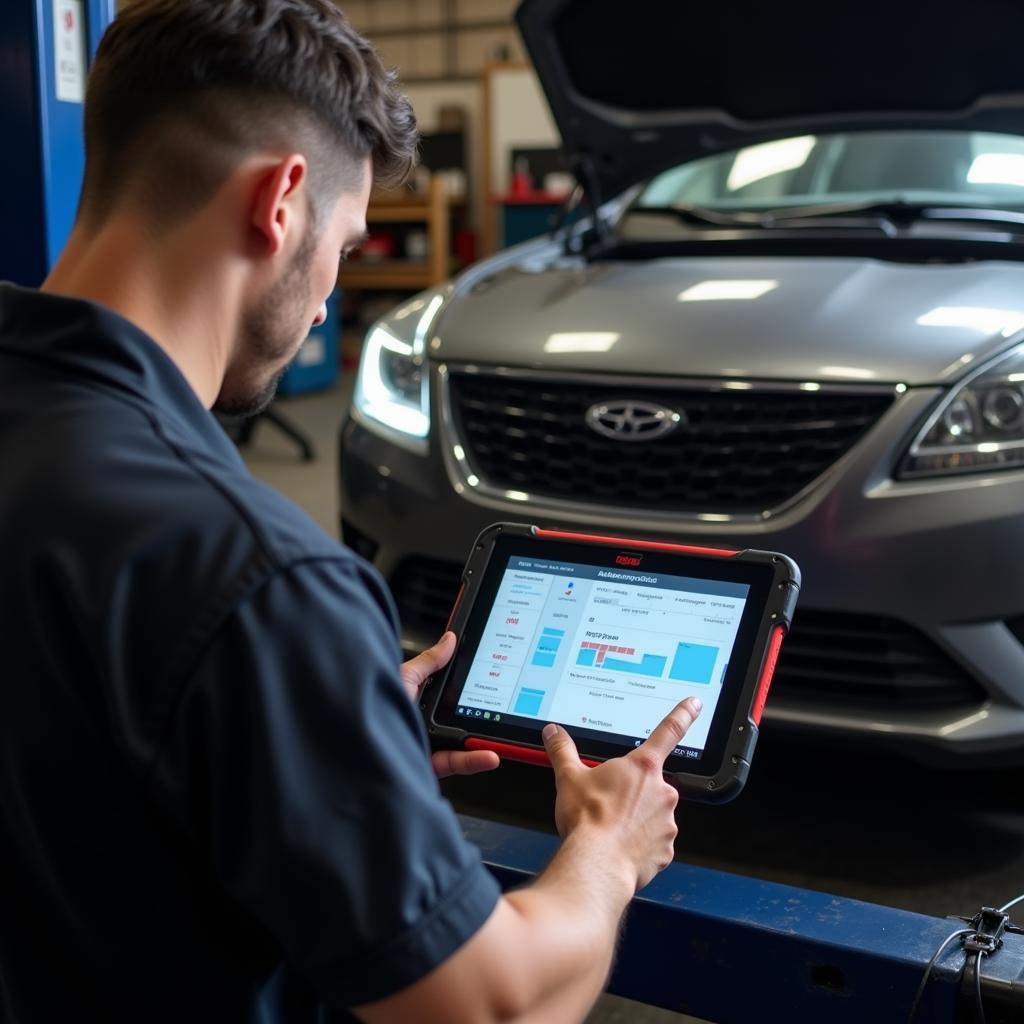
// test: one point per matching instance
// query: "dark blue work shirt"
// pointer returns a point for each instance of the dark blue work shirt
(215, 797)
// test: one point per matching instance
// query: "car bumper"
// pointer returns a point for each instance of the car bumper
(939, 562)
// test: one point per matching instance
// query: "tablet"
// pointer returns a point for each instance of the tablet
(604, 636)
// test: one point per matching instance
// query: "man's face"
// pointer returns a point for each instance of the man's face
(276, 324)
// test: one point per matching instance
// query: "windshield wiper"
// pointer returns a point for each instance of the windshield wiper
(889, 216)
(703, 216)
(897, 212)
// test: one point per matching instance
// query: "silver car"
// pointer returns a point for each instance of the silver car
(800, 331)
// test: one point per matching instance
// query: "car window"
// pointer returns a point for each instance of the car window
(965, 168)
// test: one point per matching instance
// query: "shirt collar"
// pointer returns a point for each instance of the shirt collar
(89, 339)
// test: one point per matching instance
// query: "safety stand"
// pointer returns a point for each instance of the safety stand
(292, 432)
(734, 950)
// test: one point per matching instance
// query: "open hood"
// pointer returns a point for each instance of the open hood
(636, 87)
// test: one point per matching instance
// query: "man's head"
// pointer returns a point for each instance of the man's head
(275, 109)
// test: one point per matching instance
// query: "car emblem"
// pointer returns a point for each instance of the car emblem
(628, 420)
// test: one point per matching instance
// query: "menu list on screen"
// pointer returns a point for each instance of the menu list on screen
(603, 649)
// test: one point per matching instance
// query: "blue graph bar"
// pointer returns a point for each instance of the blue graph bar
(693, 663)
(548, 631)
(544, 659)
(548, 643)
(528, 702)
(649, 665)
(586, 657)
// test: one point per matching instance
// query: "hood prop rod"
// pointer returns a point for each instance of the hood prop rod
(583, 168)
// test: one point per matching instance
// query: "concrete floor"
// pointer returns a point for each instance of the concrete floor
(859, 823)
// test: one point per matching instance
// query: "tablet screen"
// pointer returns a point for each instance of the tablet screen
(602, 649)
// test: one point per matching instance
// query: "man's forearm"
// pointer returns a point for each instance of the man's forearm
(543, 955)
(569, 921)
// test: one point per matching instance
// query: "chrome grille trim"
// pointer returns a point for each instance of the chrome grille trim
(469, 481)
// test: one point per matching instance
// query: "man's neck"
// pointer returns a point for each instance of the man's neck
(170, 289)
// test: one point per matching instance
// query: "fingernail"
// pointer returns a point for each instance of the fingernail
(549, 730)
(696, 703)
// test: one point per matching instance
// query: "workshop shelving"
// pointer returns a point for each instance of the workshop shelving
(433, 211)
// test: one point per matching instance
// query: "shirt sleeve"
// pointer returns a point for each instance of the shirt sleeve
(302, 768)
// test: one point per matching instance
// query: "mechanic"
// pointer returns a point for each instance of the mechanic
(215, 795)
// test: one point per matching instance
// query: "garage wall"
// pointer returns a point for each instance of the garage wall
(435, 40)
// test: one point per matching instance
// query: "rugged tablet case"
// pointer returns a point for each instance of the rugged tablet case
(730, 776)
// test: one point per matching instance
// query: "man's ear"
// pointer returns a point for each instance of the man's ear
(274, 206)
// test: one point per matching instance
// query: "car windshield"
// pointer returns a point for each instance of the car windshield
(949, 168)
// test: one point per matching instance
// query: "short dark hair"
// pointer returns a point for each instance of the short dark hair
(182, 89)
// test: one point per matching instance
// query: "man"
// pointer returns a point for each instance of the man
(214, 795)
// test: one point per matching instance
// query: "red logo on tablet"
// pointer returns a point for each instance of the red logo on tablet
(633, 560)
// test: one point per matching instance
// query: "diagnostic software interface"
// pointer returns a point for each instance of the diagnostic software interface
(603, 649)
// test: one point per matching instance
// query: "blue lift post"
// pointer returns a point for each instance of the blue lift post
(735, 950)
(46, 49)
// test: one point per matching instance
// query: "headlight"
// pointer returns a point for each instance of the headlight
(979, 426)
(392, 388)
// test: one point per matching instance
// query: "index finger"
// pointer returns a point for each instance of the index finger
(672, 728)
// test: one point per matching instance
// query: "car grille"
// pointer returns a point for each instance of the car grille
(830, 659)
(739, 451)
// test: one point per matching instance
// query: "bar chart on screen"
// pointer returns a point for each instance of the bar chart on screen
(691, 662)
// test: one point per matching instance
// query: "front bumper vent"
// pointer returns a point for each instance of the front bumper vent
(830, 660)
(833, 659)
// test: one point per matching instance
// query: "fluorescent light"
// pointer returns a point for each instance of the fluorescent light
(984, 319)
(857, 372)
(408, 309)
(810, 386)
(717, 291)
(581, 341)
(997, 169)
(757, 162)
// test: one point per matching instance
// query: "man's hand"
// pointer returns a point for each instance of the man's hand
(415, 673)
(625, 799)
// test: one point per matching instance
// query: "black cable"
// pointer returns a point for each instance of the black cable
(979, 1005)
(1020, 899)
(928, 970)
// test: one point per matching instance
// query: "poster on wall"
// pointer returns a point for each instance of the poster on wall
(69, 50)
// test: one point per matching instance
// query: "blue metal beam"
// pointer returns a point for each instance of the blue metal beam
(731, 949)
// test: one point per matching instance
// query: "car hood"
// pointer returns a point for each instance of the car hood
(821, 319)
(636, 88)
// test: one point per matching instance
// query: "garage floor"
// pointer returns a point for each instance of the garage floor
(857, 822)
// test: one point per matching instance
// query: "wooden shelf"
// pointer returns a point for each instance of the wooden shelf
(535, 197)
(391, 212)
(398, 274)
(430, 210)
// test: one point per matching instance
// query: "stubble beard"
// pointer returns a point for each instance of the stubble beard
(269, 339)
